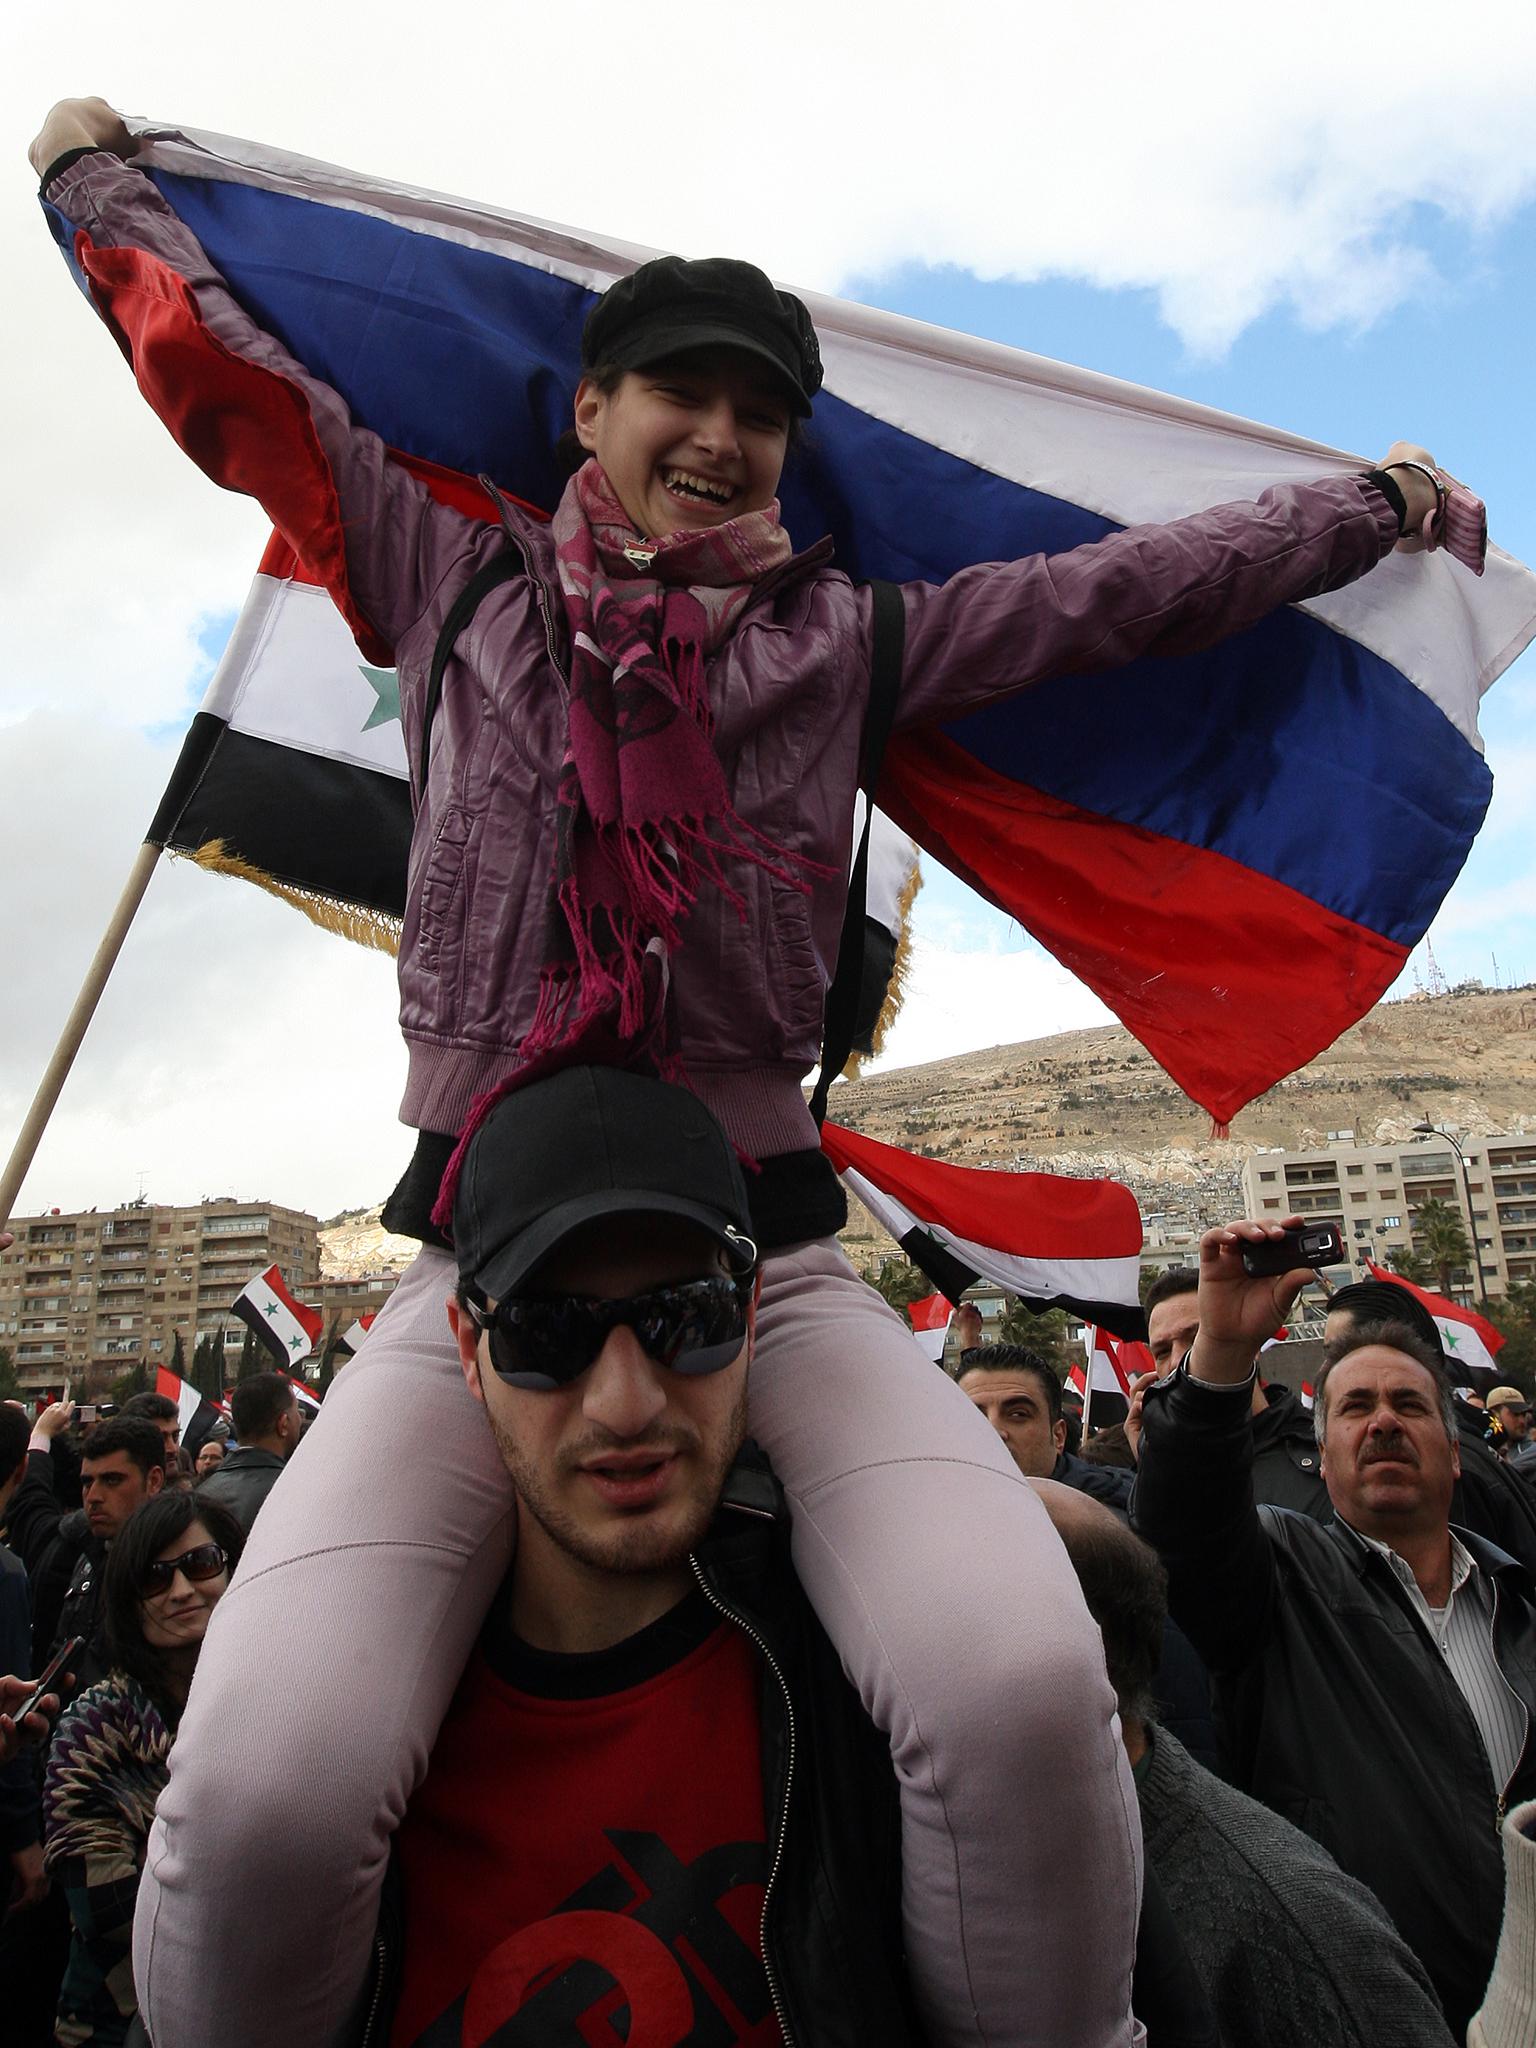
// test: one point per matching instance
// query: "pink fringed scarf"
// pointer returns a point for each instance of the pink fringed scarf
(645, 816)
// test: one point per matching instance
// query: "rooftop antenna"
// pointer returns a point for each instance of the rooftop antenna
(1434, 980)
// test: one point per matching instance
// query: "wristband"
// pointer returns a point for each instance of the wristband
(1392, 492)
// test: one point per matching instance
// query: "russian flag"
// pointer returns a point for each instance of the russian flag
(1179, 833)
(1051, 1239)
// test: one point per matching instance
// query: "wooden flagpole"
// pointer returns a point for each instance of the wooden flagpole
(52, 1083)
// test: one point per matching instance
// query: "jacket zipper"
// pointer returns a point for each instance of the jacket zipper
(541, 596)
(752, 1635)
(379, 1956)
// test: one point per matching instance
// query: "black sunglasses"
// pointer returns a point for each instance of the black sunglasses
(542, 1341)
(203, 1561)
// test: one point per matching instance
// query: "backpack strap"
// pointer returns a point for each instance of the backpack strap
(499, 569)
(840, 1019)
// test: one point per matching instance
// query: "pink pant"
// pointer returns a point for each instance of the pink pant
(332, 1659)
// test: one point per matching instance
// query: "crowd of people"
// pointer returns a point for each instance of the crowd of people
(647, 1641)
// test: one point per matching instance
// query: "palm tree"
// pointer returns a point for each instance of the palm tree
(1440, 1234)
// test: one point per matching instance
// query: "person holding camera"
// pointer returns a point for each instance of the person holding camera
(1350, 1654)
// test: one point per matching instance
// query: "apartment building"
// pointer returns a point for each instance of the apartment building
(346, 1299)
(85, 1297)
(1372, 1191)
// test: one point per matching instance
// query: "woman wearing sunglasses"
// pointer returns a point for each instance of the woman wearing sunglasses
(166, 1573)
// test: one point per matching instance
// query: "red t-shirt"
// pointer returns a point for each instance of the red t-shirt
(589, 1839)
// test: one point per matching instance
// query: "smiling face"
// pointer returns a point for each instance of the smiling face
(177, 1619)
(689, 444)
(1387, 1459)
(621, 1470)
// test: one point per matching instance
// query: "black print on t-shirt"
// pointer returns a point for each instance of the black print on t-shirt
(639, 1954)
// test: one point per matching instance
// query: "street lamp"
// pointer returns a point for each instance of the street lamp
(1434, 1131)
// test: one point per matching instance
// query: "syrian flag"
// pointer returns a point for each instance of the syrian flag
(353, 1336)
(287, 1328)
(1178, 879)
(197, 1413)
(1308, 1394)
(1054, 1241)
(305, 1395)
(1104, 1387)
(930, 1319)
(1469, 1340)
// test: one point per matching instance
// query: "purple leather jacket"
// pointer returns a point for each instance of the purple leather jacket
(788, 688)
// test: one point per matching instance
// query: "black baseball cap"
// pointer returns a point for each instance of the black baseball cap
(671, 306)
(587, 1143)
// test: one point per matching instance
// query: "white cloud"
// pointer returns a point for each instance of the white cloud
(962, 1001)
(236, 1050)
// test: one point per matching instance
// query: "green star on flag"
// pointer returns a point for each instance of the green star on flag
(386, 687)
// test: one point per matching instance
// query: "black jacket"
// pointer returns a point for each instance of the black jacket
(1489, 1497)
(1287, 1467)
(832, 1911)
(1339, 1712)
(1103, 1482)
(242, 1482)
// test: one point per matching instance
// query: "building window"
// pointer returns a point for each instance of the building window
(1354, 1171)
(1266, 1176)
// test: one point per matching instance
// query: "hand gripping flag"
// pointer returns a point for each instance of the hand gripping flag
(1171, 831)
(287, 1328)
(1470, 1340)
(1054, 1241)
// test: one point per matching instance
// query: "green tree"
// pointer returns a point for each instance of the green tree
(1441, 1236)
(253, 1357)
(10, 1384)
(897, 1280)
(208, 1366)
(1044, 1335)
(1515, 1315)
(178, 1356)
(327, 1373)
(1409, 1265)
(134, 1381)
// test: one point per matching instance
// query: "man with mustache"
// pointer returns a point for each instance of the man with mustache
(1377, 1673)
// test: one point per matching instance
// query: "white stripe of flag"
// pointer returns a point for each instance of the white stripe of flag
(286, 1327)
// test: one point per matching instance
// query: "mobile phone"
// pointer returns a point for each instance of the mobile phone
(61, 1663)
(1314, 1244)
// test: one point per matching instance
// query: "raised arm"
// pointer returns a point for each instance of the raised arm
(1164, 590)
(1193, 1499)
(247, 413)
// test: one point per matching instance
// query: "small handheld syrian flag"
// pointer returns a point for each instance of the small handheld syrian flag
(354, 1334)
(1469, 1339)
(197, 1413)
(305, 1395)
(1105, 1387)
(1054, 1241)
(930, 1319)
(287, 1328)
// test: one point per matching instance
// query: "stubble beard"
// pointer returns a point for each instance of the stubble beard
(642, 1543)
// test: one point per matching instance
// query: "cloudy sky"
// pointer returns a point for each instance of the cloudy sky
(1321, 217)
